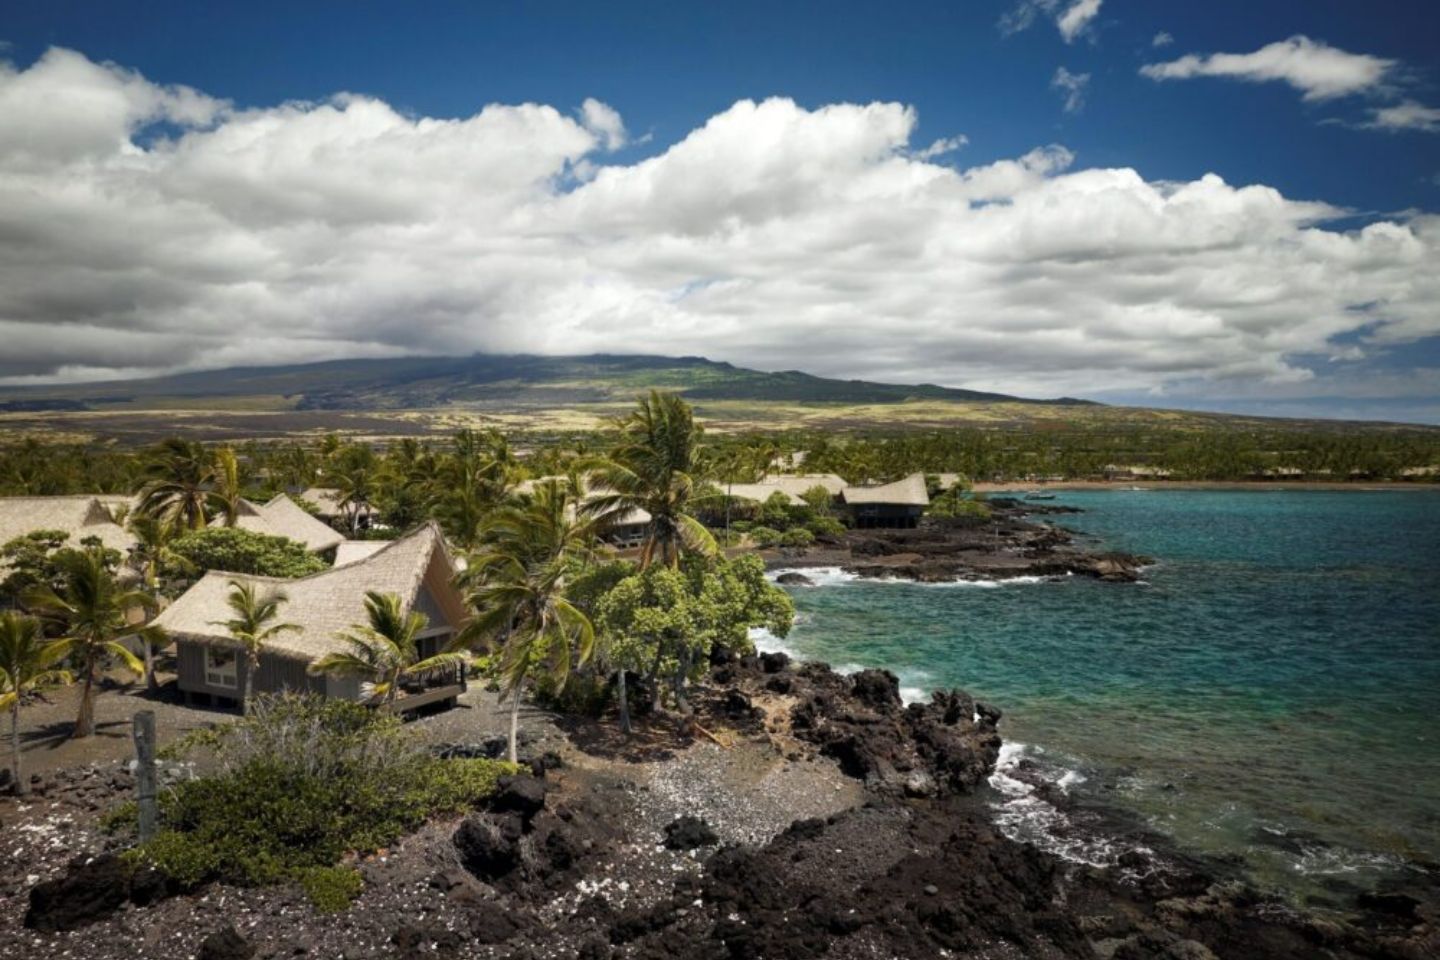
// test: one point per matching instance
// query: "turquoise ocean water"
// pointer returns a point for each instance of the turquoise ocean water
(1271, 692)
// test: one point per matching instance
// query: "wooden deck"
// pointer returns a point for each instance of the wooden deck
(414, 701)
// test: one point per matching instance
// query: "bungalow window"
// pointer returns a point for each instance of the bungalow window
(221, 667)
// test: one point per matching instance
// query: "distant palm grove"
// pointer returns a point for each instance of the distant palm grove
(407, 480)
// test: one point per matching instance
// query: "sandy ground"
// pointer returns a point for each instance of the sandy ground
(46, 724)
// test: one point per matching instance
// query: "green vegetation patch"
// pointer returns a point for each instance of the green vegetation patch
(304, 784)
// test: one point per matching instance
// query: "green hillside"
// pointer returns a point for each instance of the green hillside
(495, 382)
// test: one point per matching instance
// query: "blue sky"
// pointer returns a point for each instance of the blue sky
(668, 69)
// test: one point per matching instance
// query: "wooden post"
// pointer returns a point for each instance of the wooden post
(145, 771)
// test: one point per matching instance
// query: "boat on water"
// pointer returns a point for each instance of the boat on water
(1039, 495)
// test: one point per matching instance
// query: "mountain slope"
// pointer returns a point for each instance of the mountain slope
(487, 381)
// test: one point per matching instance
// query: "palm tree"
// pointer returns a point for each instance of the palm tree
(179, 485)
(27, 663)
(472, 479)
(153, 552)
(225, 494)
(354, 480)
(655, 468)
(252, 626)
(92, 611)
(520, 575)
(386, 649)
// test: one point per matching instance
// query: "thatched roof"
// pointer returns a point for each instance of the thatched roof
(634, 517)
(283, 517)
(79, 516)
(351, 550)
(326, 603)
(759, 492)
(909, 492)
(327, 501)
(802, 483)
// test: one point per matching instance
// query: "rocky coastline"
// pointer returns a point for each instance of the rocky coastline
(835, 822)
(1014, 542)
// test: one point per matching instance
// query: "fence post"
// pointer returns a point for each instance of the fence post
(145, 771)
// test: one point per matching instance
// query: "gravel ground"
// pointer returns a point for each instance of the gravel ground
(748, 793)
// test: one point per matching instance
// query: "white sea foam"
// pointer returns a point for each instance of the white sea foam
(1026, 818)
(819, 576)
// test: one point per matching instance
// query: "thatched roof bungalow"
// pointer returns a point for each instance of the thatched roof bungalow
(79, 516)
(283, 517)
(898, 504)
(417, 568)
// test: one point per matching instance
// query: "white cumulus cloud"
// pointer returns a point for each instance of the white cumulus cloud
(1162, 39)
(1317, 70)
(1076, 18)
(1072, 19)
(151, 228)
(1406, 115)
(1071, 87)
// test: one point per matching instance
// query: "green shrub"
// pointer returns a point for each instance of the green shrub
(798, 537)
(184, 858)
(234, 550)
(302, 782)
(331, 889)
(764, 536)
(741, 526)
(826, 527)
(585, 693)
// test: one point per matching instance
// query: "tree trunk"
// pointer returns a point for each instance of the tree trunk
(682, 674)
(245, 690)
(654, 678)
(22, 786)
(515, 724)
(85, 722)
(624, 701)
(151, 684)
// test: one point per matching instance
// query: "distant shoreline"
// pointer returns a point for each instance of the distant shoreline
(1272, 485)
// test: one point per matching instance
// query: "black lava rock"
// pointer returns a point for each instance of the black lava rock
(689, 833)
(225, 944)
(86, 893)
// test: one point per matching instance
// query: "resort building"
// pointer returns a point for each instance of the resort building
(80, 517)
(328, 505)
(900, 504)
(283, 517)
(625, 530)
(417, 568)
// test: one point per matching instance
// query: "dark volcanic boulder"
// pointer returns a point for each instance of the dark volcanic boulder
(521, 795)
(793, 579)
(225, 944)
(877, 689)
(86, 893)
(775, 662)
(489, 847)
(689, 833)
(948, 745)
(492, 922)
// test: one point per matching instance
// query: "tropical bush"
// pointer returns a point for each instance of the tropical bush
(797, 537)
(300, 784)
(825, 527)
(764, 536)
(954, 505)
(234, 550)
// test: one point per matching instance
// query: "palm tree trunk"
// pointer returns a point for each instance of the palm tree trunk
(152, 686)
(624, 700)
(22, 787)
(515, 724)
(85, 722)
(245, 690)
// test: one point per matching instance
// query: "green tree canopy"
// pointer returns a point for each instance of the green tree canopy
(234, 550)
